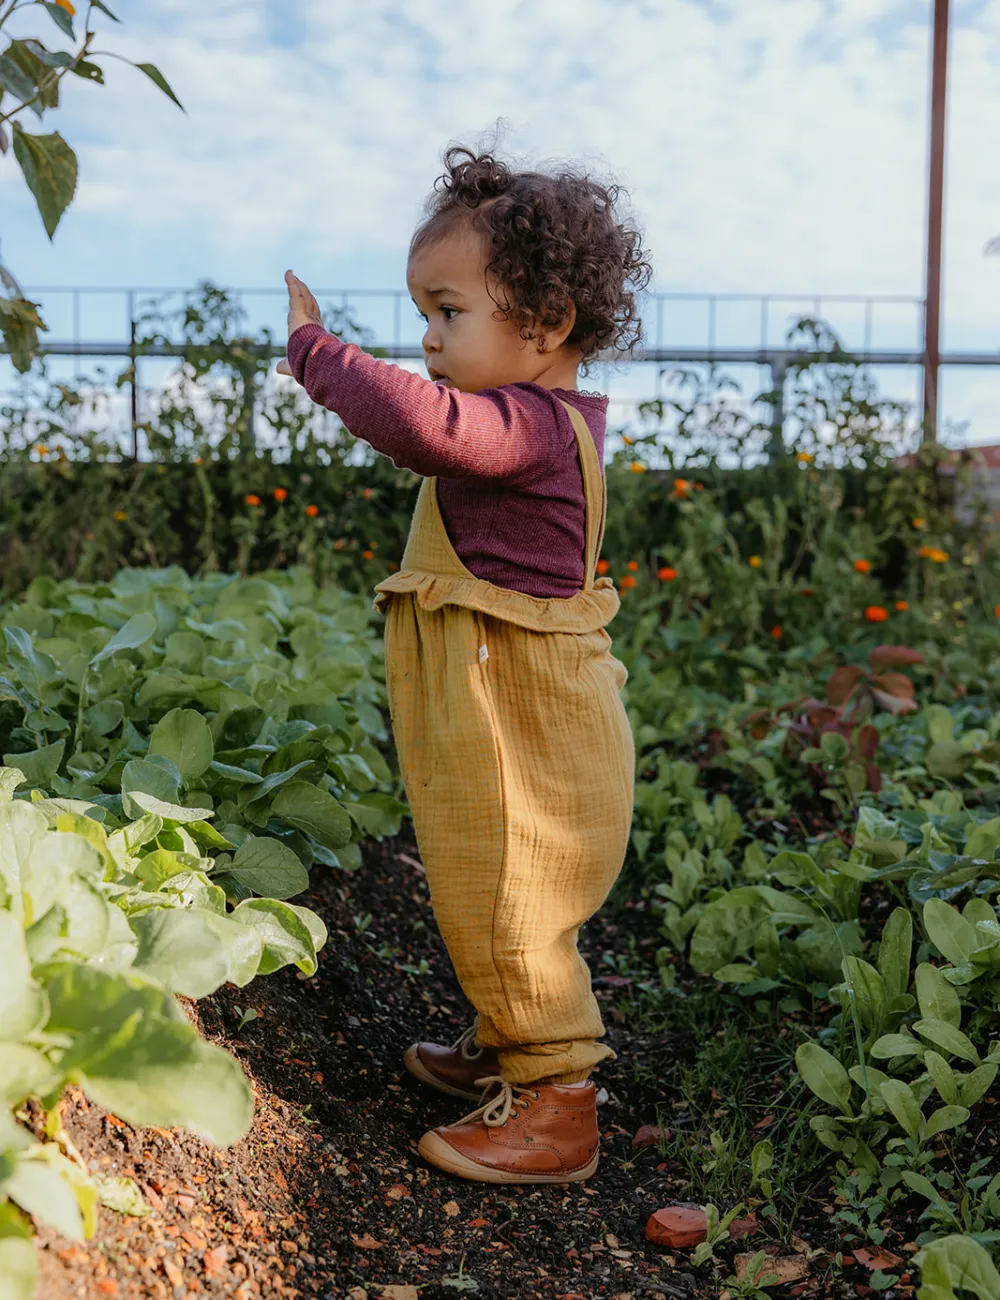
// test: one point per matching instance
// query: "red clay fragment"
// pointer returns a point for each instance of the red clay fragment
(677, 1226)
(649, 1135)
(740, 1228)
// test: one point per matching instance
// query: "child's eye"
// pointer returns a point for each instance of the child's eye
(454, 310)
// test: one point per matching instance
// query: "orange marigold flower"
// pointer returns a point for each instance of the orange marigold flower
(367, 493)
(252, 499)
(925, 552)
(776, 632)
(369, 555)
(807, 591)
(902, 606)
(666, 574)
(603, 566)
(627, 440)
(937, 556)
(918, 522)
(862, 566)
(197, 460)
(997, 611)
(637, 467)
(280, 494)
(754, 561)
(121, 516)
(805, 458)
(633, 566)
(876, 614)
(65, 4)
(628, 582)
(340, 543)
(312, 511)
(682, 486)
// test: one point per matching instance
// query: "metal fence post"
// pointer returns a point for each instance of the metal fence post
(776, 442)
(133, 373)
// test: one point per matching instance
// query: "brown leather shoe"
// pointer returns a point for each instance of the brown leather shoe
(454, 1069)
(541, 1134)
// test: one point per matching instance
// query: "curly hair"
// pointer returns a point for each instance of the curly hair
(554, 239)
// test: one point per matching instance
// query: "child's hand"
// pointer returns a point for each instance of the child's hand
(303, 309)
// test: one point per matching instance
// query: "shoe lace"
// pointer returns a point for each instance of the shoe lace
(466, 1043)
(497, 1110)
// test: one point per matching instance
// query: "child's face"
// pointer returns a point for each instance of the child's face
(467, 340)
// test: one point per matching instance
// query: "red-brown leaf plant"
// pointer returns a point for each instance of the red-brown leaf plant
(853, 693)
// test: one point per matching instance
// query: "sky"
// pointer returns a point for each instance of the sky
(778, 147)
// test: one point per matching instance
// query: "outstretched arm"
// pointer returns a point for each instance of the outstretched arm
(506, 433)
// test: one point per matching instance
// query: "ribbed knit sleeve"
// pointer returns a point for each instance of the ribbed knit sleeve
(509, 434)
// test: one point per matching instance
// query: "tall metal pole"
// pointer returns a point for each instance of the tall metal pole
(935, 206)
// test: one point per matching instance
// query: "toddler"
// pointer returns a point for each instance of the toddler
(515, 750)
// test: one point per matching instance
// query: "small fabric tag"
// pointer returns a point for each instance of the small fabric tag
(484, 654)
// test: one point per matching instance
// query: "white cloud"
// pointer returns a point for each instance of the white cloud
(775, 146)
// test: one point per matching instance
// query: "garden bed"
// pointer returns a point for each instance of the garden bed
(326, 1195)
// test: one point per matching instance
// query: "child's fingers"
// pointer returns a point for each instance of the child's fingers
(283, 368)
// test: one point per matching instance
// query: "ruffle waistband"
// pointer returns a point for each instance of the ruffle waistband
(585, 611)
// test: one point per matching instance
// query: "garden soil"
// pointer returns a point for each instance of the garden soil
(327, 1196)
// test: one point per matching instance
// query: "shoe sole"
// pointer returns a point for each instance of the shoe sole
(412, 1061)
(436, 1151)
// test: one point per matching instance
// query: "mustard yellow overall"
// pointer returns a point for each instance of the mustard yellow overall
(518, 763)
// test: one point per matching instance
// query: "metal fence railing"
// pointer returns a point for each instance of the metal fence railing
(740, 329)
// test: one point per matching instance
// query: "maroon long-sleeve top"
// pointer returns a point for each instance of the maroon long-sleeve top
(510, 485)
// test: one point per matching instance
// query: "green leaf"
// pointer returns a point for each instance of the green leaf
(869, 991)
(984, 840)
(939, 722)
(894, 951)
(99, 4)
(954, 1262)
(18, 1260)
(283, 932)
(947, 760)
(158, 79)
(948, 1038)
(41, 1191)
(24, 1072)
(937, 998)
(945, 1117)
(61, 18)
(22, 1001)
(184, 736)
(168, 811)
(180, 948)
(315, 811)
(953, 936)
(943, 1076)
(136, 632)
(975, 1084)
(735, 973)
(50, 168)
(269, 867)
(14, 81)
(38, 765)
(825, 1076)
(761, 1160)
(88, 71)
(903, 1104)
(151, 1071)
(122, 1194)
(890, 1045)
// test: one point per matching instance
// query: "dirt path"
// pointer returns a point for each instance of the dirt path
(327, 1196)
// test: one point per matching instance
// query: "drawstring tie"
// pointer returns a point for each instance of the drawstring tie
(495, 1112)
